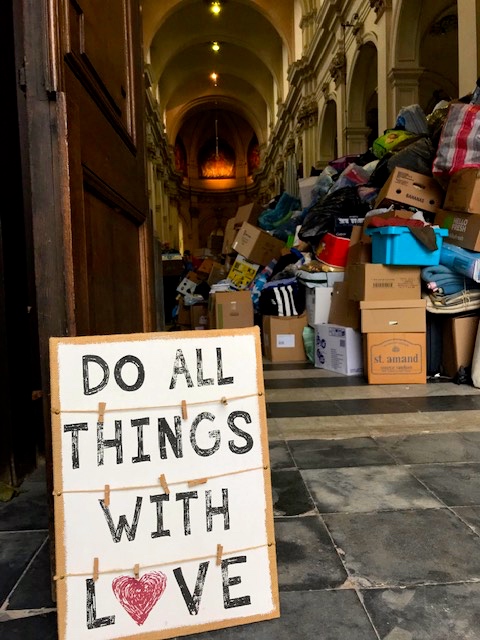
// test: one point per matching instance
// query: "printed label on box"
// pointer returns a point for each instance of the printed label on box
(286, 341)
(396, 356)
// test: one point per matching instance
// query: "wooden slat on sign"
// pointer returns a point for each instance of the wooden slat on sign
(163, 504)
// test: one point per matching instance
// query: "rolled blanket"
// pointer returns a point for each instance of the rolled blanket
(443, 280)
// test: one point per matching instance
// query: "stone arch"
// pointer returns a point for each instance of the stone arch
(362, 112)
(328, 142)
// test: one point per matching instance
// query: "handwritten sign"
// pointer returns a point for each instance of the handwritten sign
(163, 510)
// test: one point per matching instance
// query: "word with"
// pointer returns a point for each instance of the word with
(116, 531)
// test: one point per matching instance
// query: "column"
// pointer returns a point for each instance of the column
(468, 45)
(404, 83)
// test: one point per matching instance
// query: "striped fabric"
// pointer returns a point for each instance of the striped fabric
(459, 146)
(285, 301)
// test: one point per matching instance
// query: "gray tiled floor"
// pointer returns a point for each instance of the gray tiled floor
(377, 522)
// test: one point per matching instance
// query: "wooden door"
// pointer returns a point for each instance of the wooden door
(108, 231)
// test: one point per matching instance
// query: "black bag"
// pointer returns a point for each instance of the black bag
(282, 298)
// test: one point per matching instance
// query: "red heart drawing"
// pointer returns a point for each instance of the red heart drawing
(138, 597)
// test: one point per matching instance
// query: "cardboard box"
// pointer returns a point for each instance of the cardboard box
(463, 191)
(230, 310)
(282, 338)
(231, 230)
(218, 272)
(257, 245)
(395, 358)
(463, 228)
(343, 311)
(393, 316)
(338, 349)
(317, 304)
(206, 267)
(199, 316)
(248, 213)
(459, 336)
(383, 282)
(242, 272)
(172, 266)
(184, 317)
(411, 188)
(360, 247)
(189, 283)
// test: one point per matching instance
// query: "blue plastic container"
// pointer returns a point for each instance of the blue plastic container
(398, 245)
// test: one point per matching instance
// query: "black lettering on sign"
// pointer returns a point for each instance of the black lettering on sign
(186, 497)
(92, 621)
(116, 442)
(180, 367)
(130, 531)
(175, 440)
(201, 381)
(228, 602)
(140, 373)
(220, 378)
(139, 424)
(205, 415)
(159, 500)
(74, 429)
(192, 600)
(215, 511)
(87, 390)
(239, 432)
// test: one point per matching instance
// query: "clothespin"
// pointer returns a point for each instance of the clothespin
(95, 569)
(136, 571)
(163, 482)
(219, 554)
(106, 495)
(224, 400)
(184, 410)
(101, 411)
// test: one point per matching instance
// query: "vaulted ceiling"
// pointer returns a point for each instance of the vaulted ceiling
(256, 46)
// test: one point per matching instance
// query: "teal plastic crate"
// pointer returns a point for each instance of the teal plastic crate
(398, 245)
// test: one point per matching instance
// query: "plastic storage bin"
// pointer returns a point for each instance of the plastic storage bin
(398, 245)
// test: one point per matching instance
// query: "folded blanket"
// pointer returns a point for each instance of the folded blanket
(456, 303)
(444, 280)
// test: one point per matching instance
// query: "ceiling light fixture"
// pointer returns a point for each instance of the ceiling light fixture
(214, 77)
(215, 7)
(215, 46)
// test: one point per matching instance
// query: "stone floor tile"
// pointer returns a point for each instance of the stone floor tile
(39, 627)
(454, 484)
(439, 447)
(16, 551)
(433, 612)
(350, 452)
(306, 557)
(34, 591)
(365, 489)
(405, 548)
(280, 457)
(310, 615)
(290, 496)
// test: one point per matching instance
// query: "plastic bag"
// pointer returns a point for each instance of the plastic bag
(322, 217)
(391, 139)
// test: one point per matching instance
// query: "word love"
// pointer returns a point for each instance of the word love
(139, 596)
(179, 368)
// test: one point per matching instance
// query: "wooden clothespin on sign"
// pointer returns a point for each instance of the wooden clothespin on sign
(136, 571)
(95, 569)
(106, 496)
(164, 484)
(219, 554)
(101, 411)
(184, 410)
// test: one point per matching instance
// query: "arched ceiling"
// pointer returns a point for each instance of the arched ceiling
(256, 38)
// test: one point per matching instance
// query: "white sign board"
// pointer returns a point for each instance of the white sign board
(163, 505)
